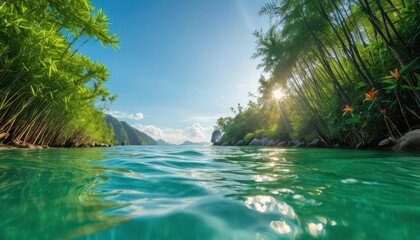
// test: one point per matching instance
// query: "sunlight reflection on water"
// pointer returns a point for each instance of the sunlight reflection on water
(208, 193)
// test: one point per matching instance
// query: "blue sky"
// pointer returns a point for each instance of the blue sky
(182, 63)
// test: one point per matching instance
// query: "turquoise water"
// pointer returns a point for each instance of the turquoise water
(208, 193)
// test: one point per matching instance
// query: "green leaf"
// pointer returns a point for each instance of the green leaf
(360, 85)
(410, 67)
(390, 81)
(353, 120)
(390, 87)
(49, 72)
(33, 91)
(371, 106)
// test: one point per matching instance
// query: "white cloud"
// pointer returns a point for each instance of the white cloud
(118, 114)
(136, 116)
(194, 133)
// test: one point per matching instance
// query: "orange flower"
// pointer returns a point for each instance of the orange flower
(384, 112)
(371, 95)
(394, 75)
(347, 109)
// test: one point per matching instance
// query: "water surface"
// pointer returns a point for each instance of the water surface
(173, 192)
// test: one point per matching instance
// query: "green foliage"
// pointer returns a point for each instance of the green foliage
(50, 94)
(301, 126)
(332, 57)
(249, 136)
(246, 121)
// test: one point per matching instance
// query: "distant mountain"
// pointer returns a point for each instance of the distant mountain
(195, 143)
(163, 142)
(126, 134)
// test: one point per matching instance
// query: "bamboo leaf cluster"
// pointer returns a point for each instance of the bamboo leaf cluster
(50, 94)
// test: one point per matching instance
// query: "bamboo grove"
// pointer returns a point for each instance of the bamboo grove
(49, 93)
(349, 70)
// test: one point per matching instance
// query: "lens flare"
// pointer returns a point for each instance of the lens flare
(278, 94)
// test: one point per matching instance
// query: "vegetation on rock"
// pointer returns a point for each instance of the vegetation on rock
(127, 135)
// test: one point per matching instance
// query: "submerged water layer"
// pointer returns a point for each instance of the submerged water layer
(175, 192)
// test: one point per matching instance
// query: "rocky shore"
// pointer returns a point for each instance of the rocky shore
(7, 141)
(409, 142)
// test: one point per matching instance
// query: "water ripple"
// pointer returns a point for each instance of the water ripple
(184, 192)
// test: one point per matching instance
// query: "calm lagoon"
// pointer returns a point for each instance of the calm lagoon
(198, 192)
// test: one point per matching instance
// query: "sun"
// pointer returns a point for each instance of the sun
(278, 94)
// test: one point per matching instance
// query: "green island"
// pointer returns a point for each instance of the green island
(323, 144)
